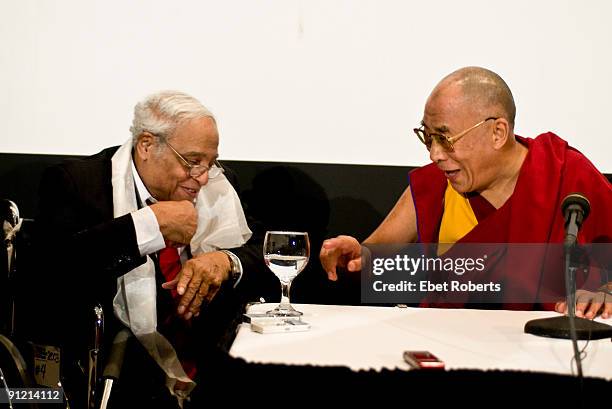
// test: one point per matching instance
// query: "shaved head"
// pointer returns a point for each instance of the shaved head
(483, 90)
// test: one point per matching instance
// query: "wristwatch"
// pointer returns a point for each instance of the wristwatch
(235, 266)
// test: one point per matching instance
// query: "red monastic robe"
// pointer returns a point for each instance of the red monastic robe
(552, 170)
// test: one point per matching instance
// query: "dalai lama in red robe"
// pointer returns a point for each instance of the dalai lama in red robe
(487, 185)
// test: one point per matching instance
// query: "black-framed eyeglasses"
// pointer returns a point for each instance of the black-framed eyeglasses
(195, 171)
(443, 140)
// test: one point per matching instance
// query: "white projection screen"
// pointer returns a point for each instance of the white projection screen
(322, 81)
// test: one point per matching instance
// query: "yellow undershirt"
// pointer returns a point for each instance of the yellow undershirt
(457, 221)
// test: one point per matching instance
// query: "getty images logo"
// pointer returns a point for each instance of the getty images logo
(412, 265)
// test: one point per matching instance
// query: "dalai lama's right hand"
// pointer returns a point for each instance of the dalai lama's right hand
(177, 220)
(590, 304)
(341, 251)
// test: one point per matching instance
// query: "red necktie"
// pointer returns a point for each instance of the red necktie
(170, 265)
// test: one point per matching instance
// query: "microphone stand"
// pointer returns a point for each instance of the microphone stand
(575, 208)
(570, 299)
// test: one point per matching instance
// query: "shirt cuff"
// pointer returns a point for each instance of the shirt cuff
(148, 235)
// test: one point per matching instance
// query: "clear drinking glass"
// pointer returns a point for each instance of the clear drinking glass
(286, 254)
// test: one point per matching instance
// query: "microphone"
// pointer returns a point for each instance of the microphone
(112, 371)
(575, 208)
(117, 352)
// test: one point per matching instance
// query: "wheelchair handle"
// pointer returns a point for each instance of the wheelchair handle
(117, 352)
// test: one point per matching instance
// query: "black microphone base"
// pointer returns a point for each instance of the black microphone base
(559, 327)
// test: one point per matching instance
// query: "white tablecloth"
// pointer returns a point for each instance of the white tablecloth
(375, 338)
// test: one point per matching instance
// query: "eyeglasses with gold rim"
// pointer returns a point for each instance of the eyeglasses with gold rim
(443, 140)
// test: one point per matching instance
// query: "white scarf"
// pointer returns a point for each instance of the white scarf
(221, 224)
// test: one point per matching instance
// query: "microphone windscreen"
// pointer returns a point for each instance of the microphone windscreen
(117, 353)
(576, 199)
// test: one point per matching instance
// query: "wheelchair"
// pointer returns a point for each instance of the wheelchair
(26, 359)
(87, 369)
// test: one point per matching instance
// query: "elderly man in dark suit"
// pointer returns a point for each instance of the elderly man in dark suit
(153, 229)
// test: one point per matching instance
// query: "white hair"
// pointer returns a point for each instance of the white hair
(160, 113)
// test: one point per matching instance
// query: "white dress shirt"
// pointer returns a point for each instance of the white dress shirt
(148, 234)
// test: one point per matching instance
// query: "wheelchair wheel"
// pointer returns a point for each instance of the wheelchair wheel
(14, 369)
